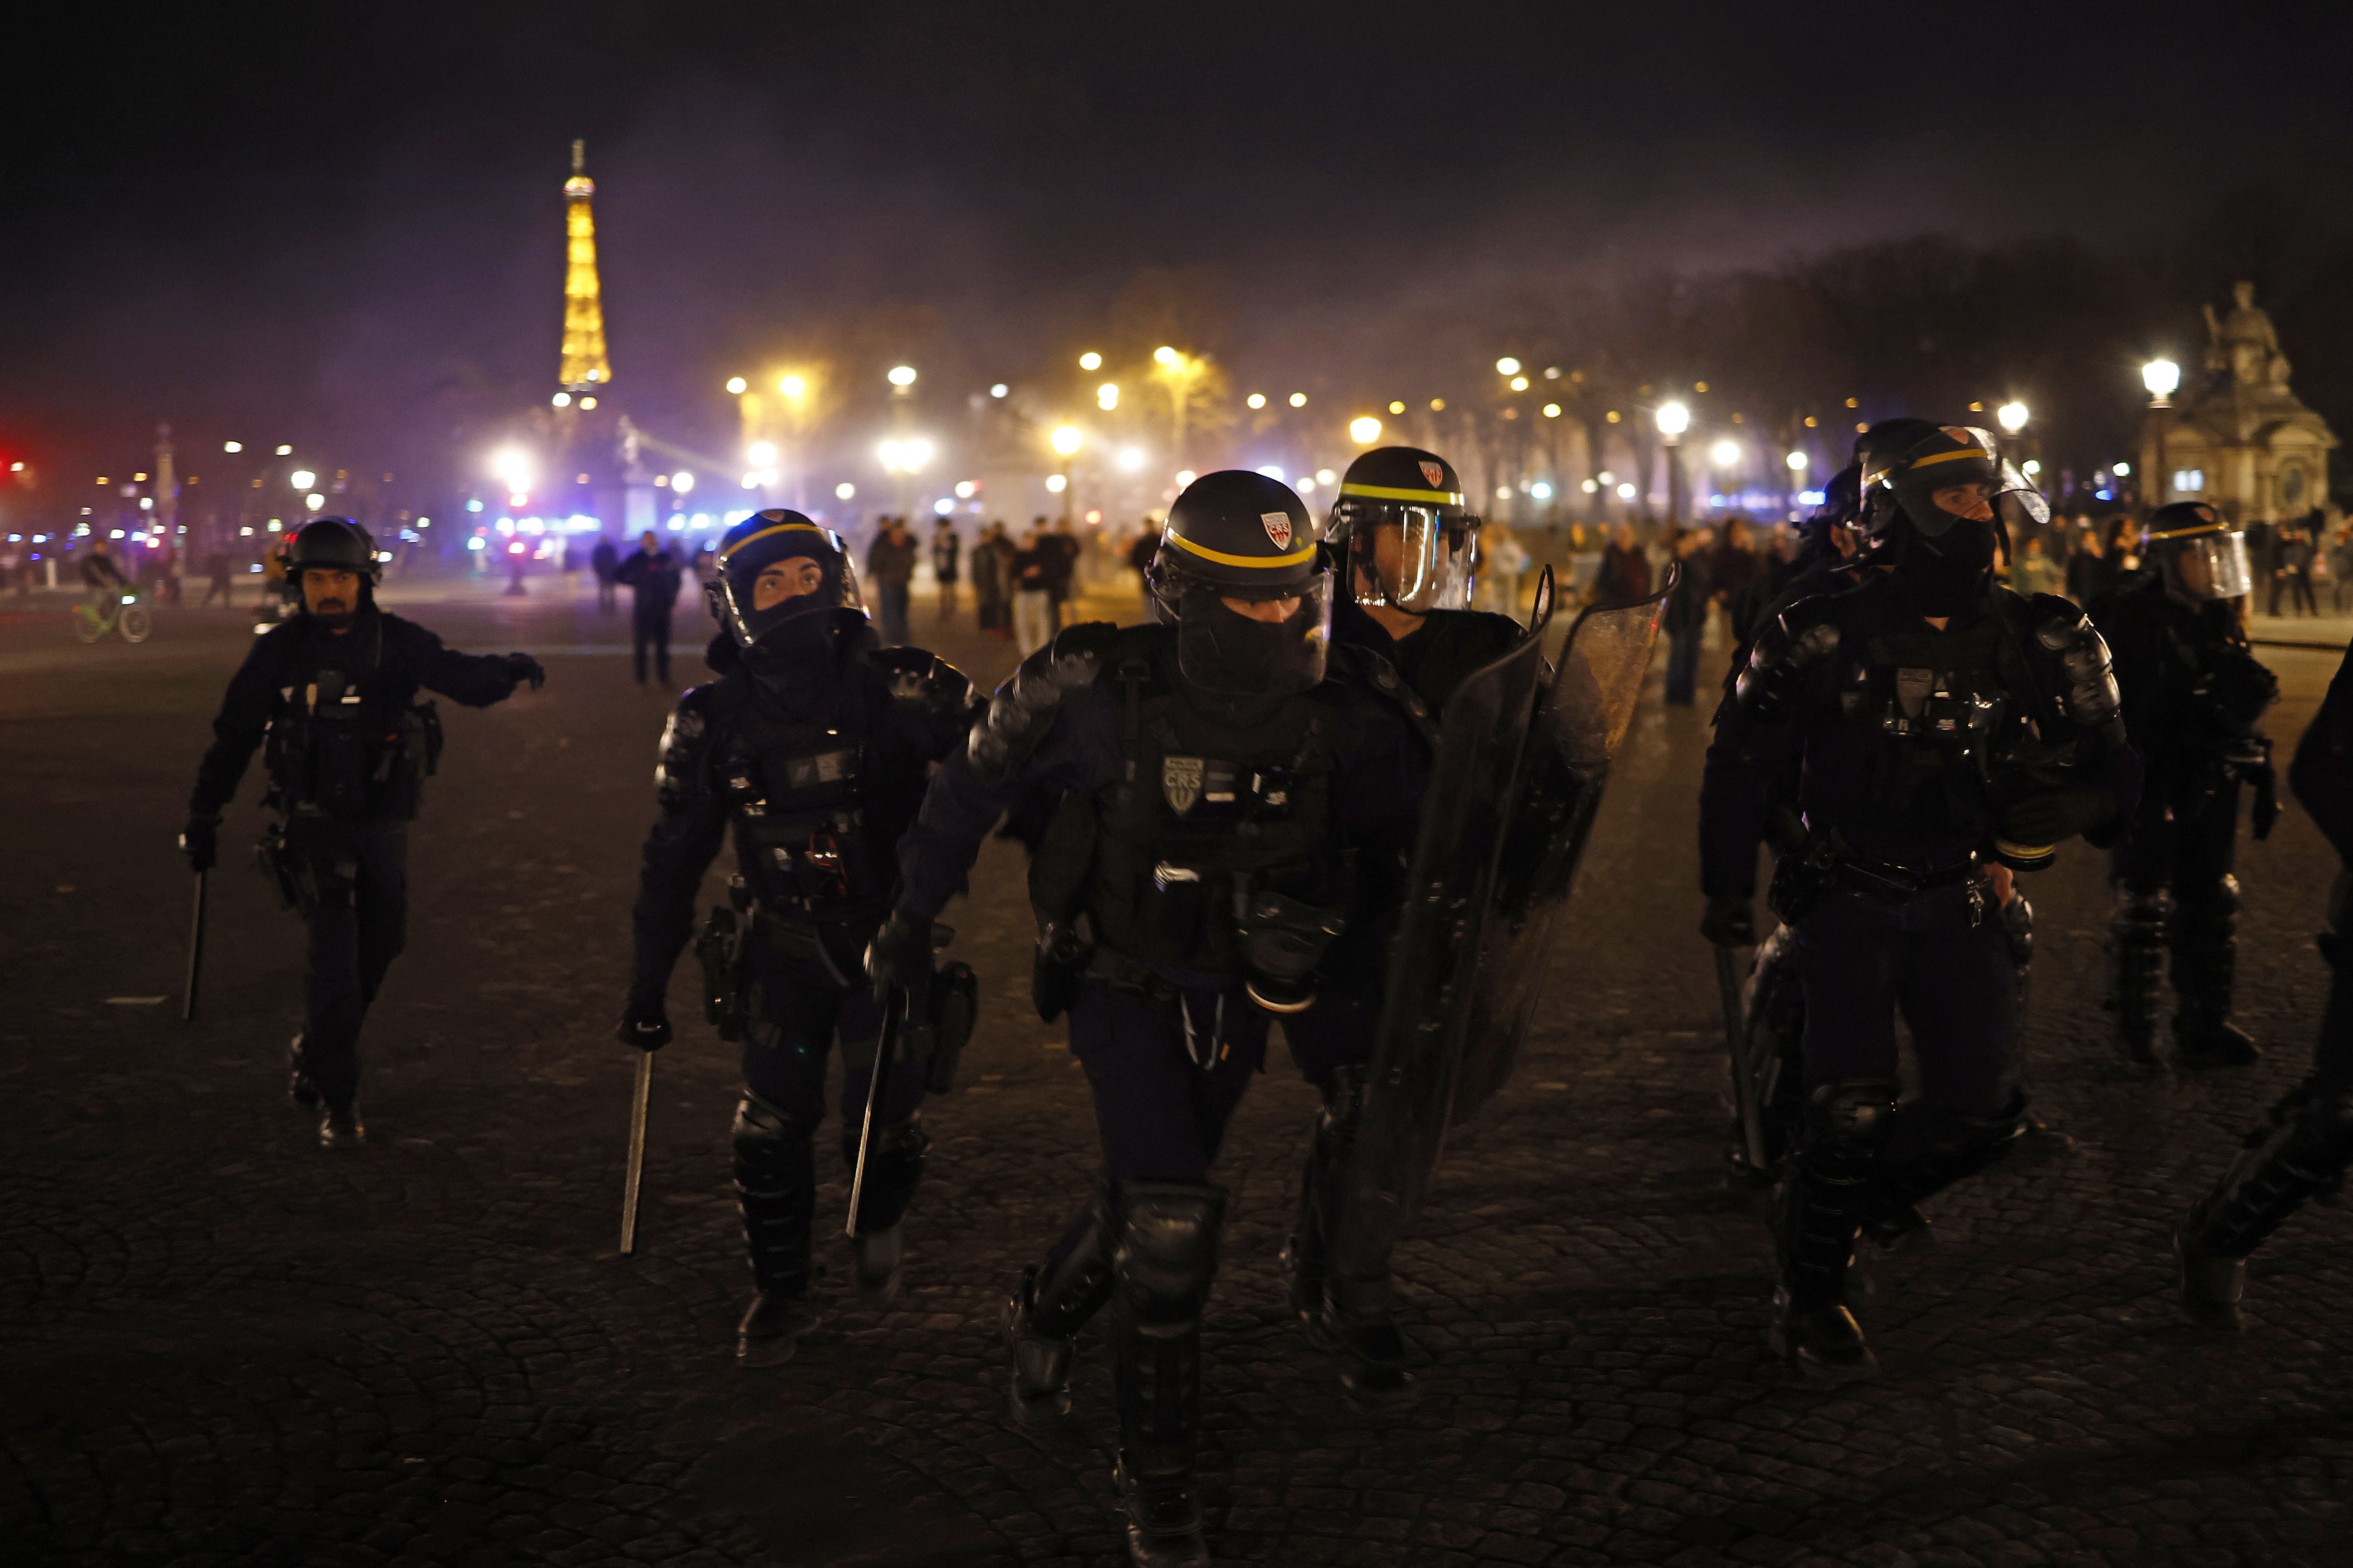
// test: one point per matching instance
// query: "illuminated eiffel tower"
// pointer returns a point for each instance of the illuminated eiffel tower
(585, 370)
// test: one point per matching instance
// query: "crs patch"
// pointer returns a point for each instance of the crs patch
(1278, 527)
(1435, 475)
(1180, 782)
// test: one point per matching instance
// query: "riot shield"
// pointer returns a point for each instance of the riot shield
(1519, 773)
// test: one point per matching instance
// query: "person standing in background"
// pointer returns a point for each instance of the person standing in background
(603, 561)
(2089, 575)
(1033, 600)
(1625, 574)
(947, 555)
(652, 574)
(890, 567)
(1685, 617)
(2035, 572)
(988, 554)
(1059, 552)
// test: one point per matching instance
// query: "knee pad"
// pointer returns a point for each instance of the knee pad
(894, 1168)
(1847, 1122)
(2213, 918)
(1344, 1103)
(769, 1143)
(2141, 918)
(1066, 1290)
(1164, 1251)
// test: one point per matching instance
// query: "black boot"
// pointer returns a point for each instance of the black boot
(775, 1187)
(1950, 1149)
(2298, 1152)
(1350, 1317)
(2205, 971)
(1164, 1256)
(299, 1087)
(1052, 1302)
(1828, 1194)
(894, 1167)
(339, 1127)
(2137, 939)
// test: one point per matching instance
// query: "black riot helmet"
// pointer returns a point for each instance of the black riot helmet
(1907, 463)
(1405, 533)
(333, 544)
(1236, 538)
(779, 542)
(2200, 555)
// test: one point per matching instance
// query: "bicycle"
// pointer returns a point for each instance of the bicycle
(123, 615)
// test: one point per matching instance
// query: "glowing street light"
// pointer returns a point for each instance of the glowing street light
(681, 483)
(2161, 376)
(1065, 439)
(1725, 453)
(2012, 416)
(905, 456)
(285, 451)
(794, 386)
(1131, 458)
(902, 377)
(1298, 400)
(561, 400)
(1091, 360)
(510, 465)
(1057, 483)
(762, 453)
(1507, 366)
(1519, 383)
(302, 478)
(844, 491)
(998, 390)
(1165, 355)
(1256, 400)
(1673, 419)
(314, 501)
(232, 446)
(1363, 430)
(738, 385)
(1107, 396)
(1797, 461)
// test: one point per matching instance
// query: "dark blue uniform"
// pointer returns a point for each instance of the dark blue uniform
(348, 748)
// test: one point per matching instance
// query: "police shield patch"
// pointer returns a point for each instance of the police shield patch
(1278, 527)
(1180, 781)
(1434, 474)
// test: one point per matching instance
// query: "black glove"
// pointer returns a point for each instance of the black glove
(1730, 920)
(900, 954)
(2047, 816)
(521, 667)
(2265, 814)
(200, 842)
(644, 1024)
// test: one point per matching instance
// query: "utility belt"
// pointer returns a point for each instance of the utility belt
(1801, 878)
(1279, 939)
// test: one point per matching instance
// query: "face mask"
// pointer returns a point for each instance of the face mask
(793, 650)
(1947, 576)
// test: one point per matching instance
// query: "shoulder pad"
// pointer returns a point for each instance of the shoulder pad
(1800, 638)
(677, 773)
(2058, 624)
(1027, 705)
(917, 678)
(2064, 631)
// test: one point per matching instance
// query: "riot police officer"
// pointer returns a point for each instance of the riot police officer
(1406, 545)
(1231, 791)
(1940, 722)
(2194, 699)
(813, 748)
(2303, 1148)
(333, 690)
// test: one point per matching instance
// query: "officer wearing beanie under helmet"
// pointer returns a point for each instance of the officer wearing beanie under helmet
(1406, 545)
(812, 748)
(1232, 791)
(333, 690)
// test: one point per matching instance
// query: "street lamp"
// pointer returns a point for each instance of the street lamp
(1066, 440)
(1507, 366)
(762, 453)
(902, 377)
(1673, 419)
(232, 446)
(681, 483)
(1365, 430)
(738, 385)
(302, 478)
(1107, 396)
(1091, 360)
(2012, 417)
(2160, 376)
(1725, 453)
(1165, 355)
(793, 387)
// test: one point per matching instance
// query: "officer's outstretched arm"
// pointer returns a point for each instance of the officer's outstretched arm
(1020, 739)
(477, 680)
(686, 834)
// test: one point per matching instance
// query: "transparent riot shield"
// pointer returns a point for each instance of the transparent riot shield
(1520, 769)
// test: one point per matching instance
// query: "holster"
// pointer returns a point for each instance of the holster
(719, 948)
(1801, 878)
(1059, 965)
(955, 1008)
(285, 873)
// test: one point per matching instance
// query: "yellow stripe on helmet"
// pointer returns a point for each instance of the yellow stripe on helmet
(1222, 559)
(1980, 452)
(779, 528)
(2194, 530)
(1382, 493)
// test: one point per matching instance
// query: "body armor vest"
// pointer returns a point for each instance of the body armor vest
(1208, 819)
(342, 748)
(797, 793)
(1940, 707)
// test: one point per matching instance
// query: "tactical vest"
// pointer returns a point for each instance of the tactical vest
(342, 748)
(1204, 814)
(1939, 706)
(799, 795)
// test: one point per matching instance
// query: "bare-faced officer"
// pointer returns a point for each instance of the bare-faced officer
(814, 746)
(1224, 791)
(333, 690)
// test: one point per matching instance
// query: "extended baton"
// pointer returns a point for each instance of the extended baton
(893, 1012)
(195, 951)
(1735, 1039)
(639, 1100)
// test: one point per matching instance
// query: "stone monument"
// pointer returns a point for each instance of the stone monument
(2236, 437)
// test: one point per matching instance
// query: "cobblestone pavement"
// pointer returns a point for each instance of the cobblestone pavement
(224, 1346)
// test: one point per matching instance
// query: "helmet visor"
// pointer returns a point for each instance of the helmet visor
(1938, 498)
(757, 594)
(1414, 558)
(2210, 566)
(1254, 647)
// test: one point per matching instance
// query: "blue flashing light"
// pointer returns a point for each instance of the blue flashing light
(473, 506)
(1812, 498)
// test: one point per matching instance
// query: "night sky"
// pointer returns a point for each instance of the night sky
(311, 223)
